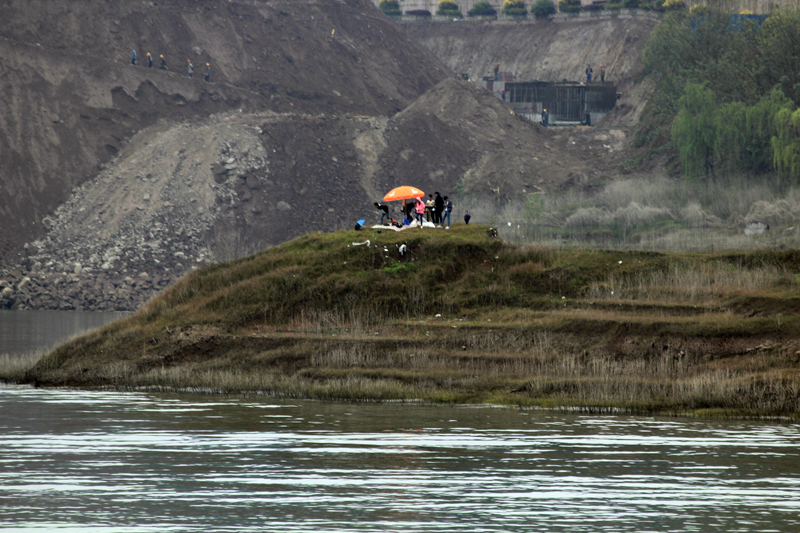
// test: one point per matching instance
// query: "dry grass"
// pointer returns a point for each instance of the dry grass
(702, 283)
(528, 326)
(652, 213)
(14, 366)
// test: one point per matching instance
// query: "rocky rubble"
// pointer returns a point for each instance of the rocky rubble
(141, 224)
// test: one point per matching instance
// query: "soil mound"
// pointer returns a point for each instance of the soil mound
(460, 138)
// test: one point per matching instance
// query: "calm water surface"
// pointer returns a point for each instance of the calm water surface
(106, 461)
(30, 331)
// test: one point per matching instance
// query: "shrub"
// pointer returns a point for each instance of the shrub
(699, 10)
(569, 6)
(630, 4)
(448, 8)
(593, 7)
(482, 9)
(418, 13)
(390, 7)
(674, 5)
(543, 8)
(746, 12)
(514, 7)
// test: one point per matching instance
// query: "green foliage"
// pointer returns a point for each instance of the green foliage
(761, 128)
(733, 136)
(674, 5)
(569, 6)
(630, 4)
(694, 130)
(786, 144)
(514, 8)
(482, 9)
(779, 47)
(543, 8)
(448, 8)
(739, 62)
(699, 10)
(390, 7)
(534, 207)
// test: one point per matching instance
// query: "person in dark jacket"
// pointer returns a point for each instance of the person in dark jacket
(163, 63)
(438, 207)
(190, 68)
(448, 208)
(133, 57)
(149, 60)
(208, 72)
(384, 211)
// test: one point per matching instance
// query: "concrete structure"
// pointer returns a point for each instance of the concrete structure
(567, 102)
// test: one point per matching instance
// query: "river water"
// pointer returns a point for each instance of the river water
(105, 461)
(32, 331)
(101, 461)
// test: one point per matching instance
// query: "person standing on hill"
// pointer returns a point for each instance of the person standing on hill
(429, 208)
(208, 72)
(190, 68)
(420, 205)
(589, 72)
(163, 63)
(602, 74)
(133, 57)
(438, 207)
(497, 72)
(149, 60)
(448, 209)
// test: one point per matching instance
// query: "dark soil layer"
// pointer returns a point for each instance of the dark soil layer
(457, 316)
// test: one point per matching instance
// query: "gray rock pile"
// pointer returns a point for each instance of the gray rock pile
(141, 224)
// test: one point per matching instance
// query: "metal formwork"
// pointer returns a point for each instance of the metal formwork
(564, 101)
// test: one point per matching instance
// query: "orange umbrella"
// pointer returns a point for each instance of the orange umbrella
(403, 193)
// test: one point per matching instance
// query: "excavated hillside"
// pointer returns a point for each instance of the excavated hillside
(194, 193)
(196, 172)
(71, 100)
(550, 50)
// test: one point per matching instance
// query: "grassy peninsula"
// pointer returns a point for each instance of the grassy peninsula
(458, 316)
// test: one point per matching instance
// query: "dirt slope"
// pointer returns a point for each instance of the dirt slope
(196, 172)
(72, 100)
(179, 196)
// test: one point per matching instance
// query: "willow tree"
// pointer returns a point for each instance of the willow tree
(786, 143)
(694, 130)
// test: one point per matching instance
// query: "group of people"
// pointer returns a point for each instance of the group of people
(590, 71)
(436, 210)
(189, 66)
